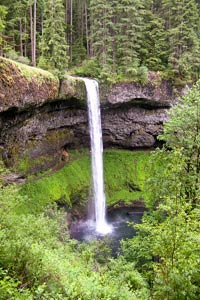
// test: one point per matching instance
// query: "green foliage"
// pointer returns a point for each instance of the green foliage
(79, 52)
(182, 133)
(90, 68)
(166, 248)
(122, 36)
(9, 288)
(12, 54)
(155, 50)
(44, 264)
(183, 36)
(3, 13)
(53, 44)
(173, 246)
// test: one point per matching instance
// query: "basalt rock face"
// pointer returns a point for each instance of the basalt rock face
(132, 127)
(133, 114)
(155, 93)
(41, 121)
(40, 117)
(36, 140)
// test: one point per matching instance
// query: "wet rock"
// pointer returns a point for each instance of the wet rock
(41, 117)
(133, 127)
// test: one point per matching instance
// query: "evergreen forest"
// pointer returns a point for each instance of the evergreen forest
(113, 41)
(110, 40)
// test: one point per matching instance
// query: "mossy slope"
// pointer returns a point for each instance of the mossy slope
(125, 173)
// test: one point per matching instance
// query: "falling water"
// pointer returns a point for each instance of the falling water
(97, 155)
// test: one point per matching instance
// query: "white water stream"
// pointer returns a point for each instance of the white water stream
(97, 155)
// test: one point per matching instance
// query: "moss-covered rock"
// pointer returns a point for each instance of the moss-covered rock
(43, 154)
(40, 115)
(125, 175)
(156, 92)
(73, 87)
(23, 86)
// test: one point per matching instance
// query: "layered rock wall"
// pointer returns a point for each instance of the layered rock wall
(41, 117)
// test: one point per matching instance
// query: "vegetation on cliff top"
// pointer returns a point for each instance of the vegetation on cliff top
(113, 40)
(30, 73)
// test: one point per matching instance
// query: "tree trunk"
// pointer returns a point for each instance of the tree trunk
(34, 33)
(66, 19)
(104, 40)
(31, 32)
(25, 43)
(71, 29)
(86, 28)
(42, 23)
(21, 38)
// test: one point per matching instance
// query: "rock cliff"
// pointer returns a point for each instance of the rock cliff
(41, 118)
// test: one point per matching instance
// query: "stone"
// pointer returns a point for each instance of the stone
(41, 117)
(22, 86)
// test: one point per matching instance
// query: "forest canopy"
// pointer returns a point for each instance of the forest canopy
(100, 38)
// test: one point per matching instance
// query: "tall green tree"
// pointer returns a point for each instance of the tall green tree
(183, 132)
(3, 12)
(182, 24)
(155, 47)
(101, 39)
(53, 45)
(130, 34)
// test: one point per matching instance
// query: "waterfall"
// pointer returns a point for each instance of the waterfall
(96, 155)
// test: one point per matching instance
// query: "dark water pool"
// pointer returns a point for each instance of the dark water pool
(119, 219)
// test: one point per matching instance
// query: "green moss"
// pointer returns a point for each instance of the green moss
(56, 136)
(30, 73)
(63, 185)
(37, 74)
(26, 165)
(73, 87)
(23, 165)
(125, 175)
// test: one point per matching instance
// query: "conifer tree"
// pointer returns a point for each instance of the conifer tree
(130, 34)
(123, 36)
(101, 13)
(182, 23)
(53, 45)
(155, 47)
(3, 12)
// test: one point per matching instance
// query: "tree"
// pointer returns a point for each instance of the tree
(130, 35)
(33, 21)
(167, 248)
(53, 45)
(101, 13)
(155, 48)
(182, 131)
(3, 12)
(182, 24)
